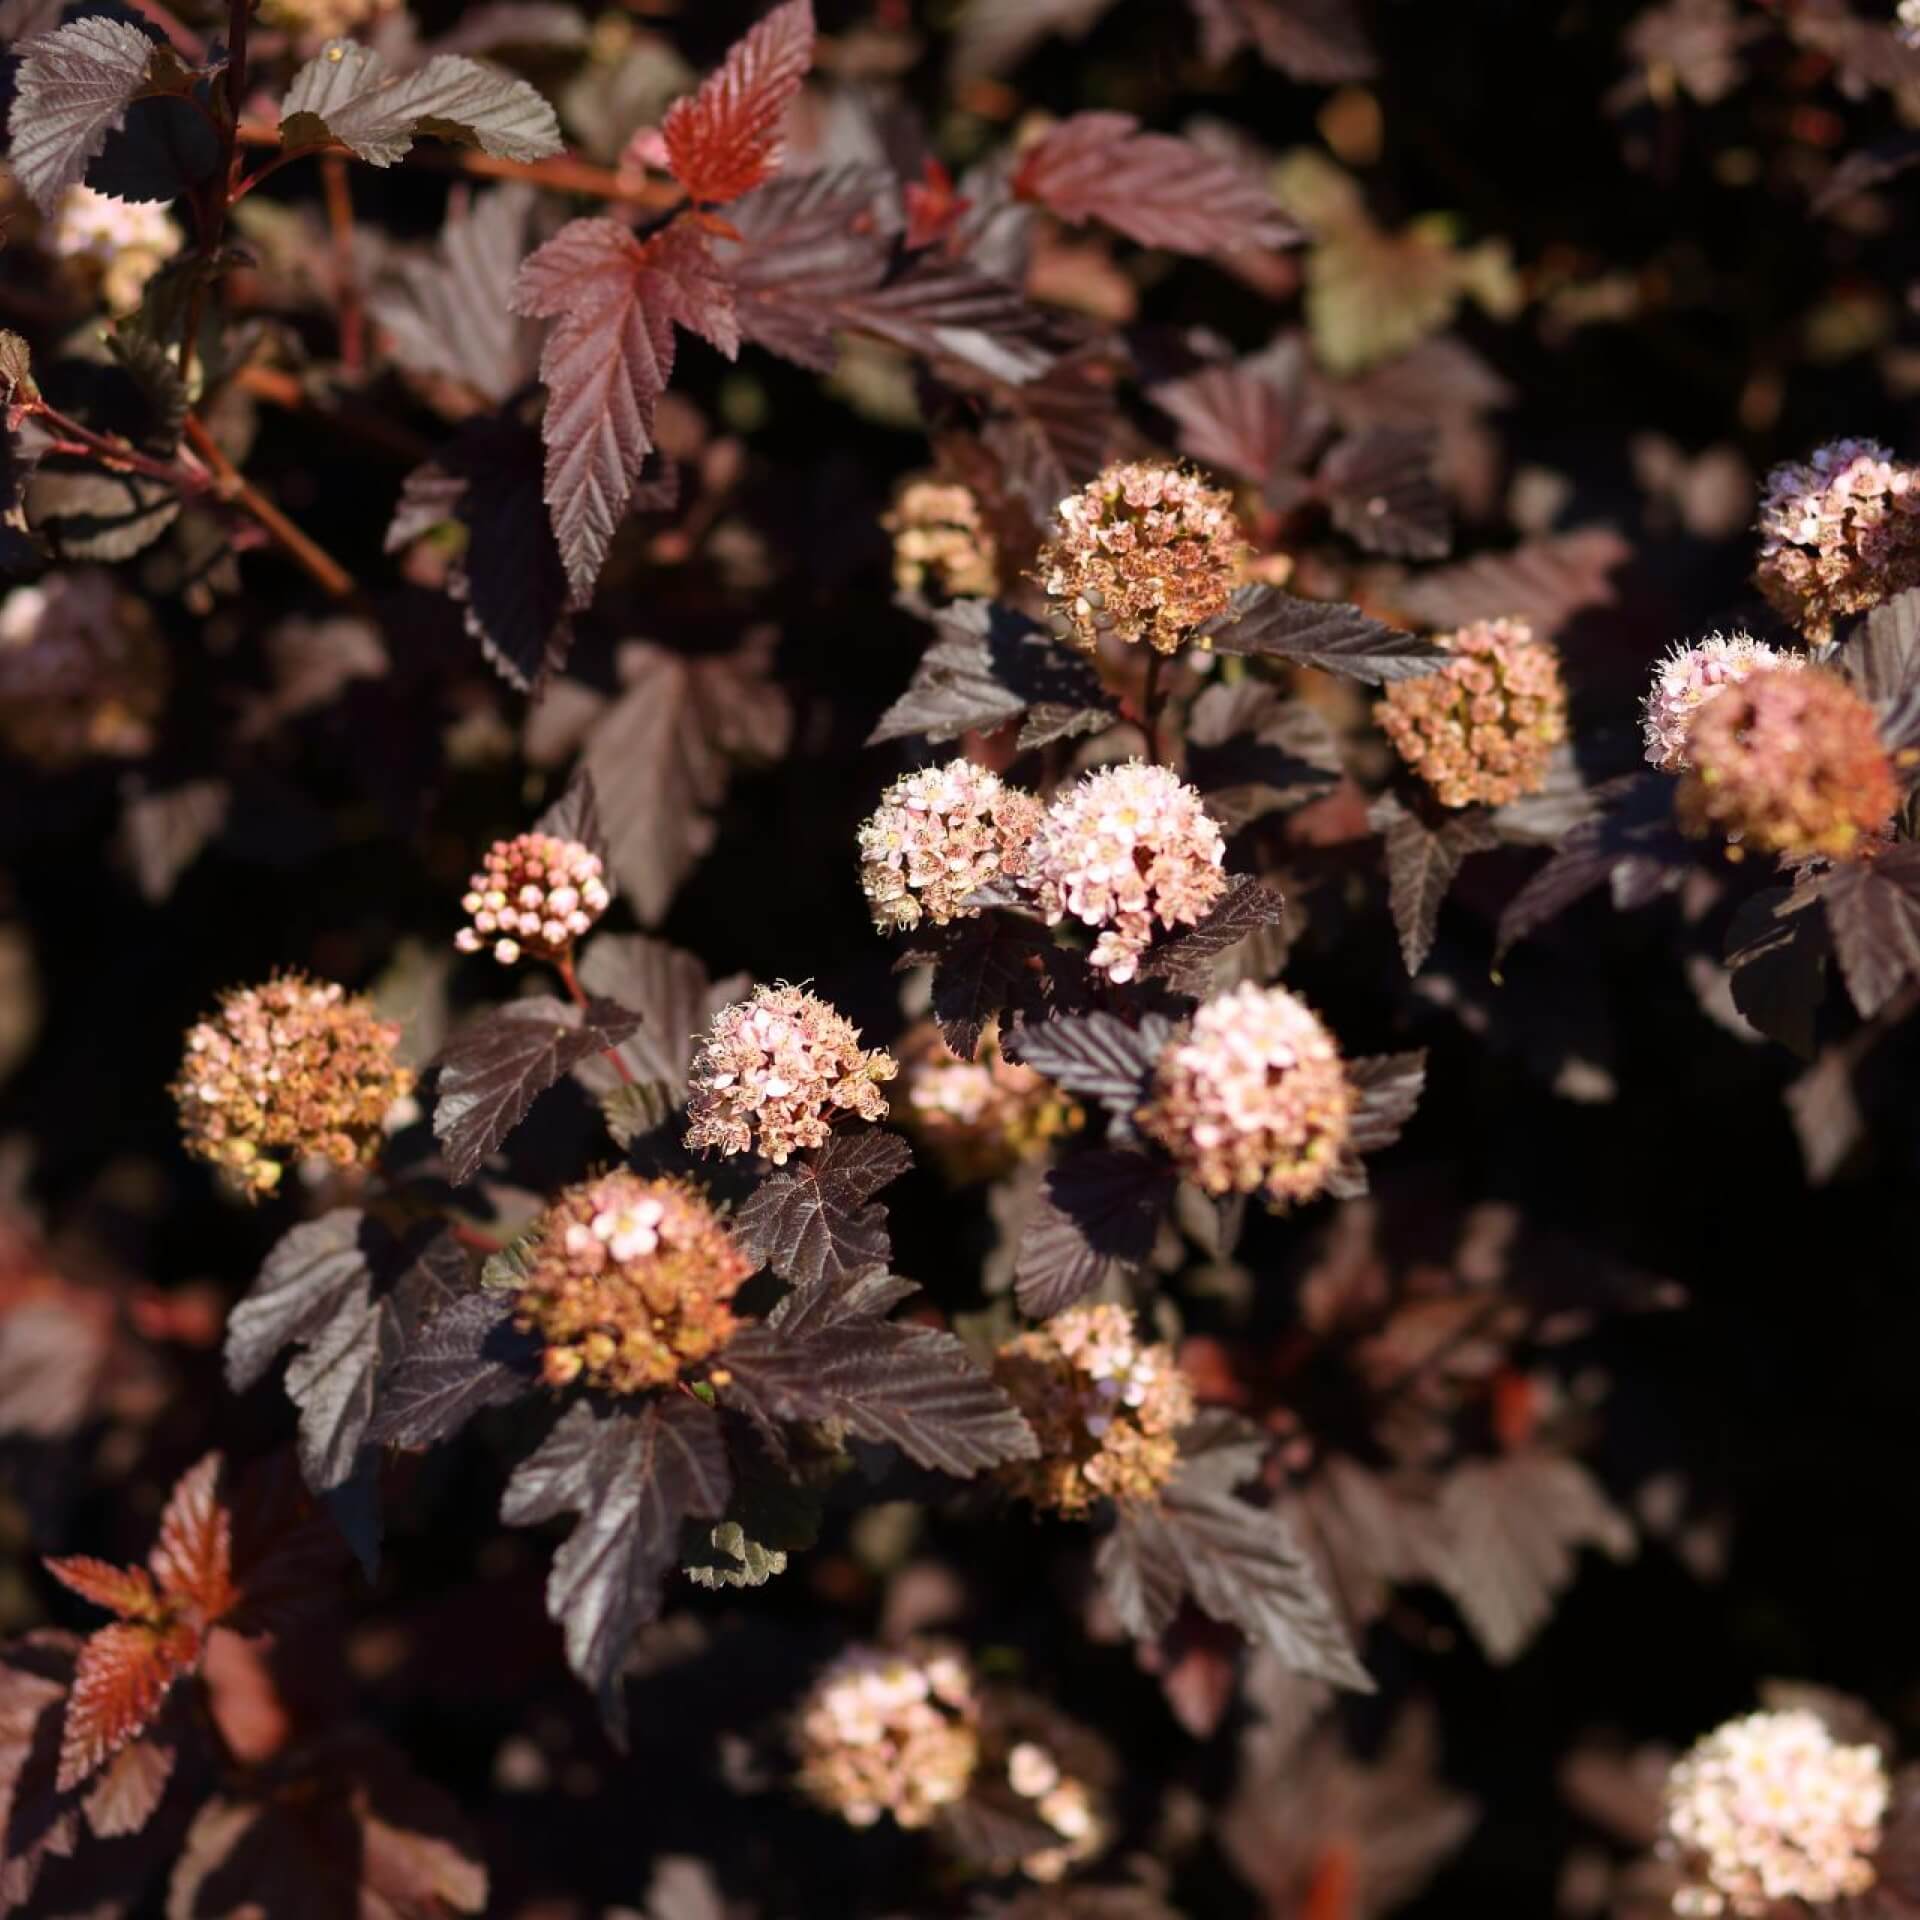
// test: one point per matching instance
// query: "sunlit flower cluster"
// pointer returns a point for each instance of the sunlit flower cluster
(939, 835)
(1143, 552)
(82, 672)
(1907, 21)
(1254, 1099)
(323, 19)
(1789, 761)
(1688, 677)
(1063, 1802)
(1105, 1406)
(289, 1071)
(1770, 1808)
(774, 1072)
(535, 894)
(1482, 730)
(628, 1283)
(978, 1117)
(889, 1733)
(941, 545)
(1839, 533)
(1126, 847)
(126, 241)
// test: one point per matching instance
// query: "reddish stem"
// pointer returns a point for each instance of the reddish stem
(1151, 701)
(478, 1238)
(235, 486)
(577, 994)
(333, 177)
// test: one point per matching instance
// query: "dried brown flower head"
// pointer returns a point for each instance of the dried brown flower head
(1789, 761)
(82, 672)
(535, 894)
(1482, 730)
(939, 835)
(889, 1733)
(1144, 552)
(1771, 1809)
(941, 544)
(629, 1282)
(774, 1072)
(1839, 534)
(1254, 1099)
(977, 1118)
(1125, 847)
(288, 1071)
(1106, 1408)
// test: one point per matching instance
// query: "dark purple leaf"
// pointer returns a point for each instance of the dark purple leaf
(494, 1069)
(1256, 418)
(1881, 657)
(1186, 961)
(164, 833)
(983, 968)
(1423, 855)
(671, 993)
(73, 88)
(1317, 41)
(632, 1474)
(1381, 490)
(316, 1271)
(464, 1357)
(1098, 1210)
(1318, 633)
(1055, 432)
(830, 1353)
(990, 36)
(1096, 1055)
(1388, 1087)
(817, 1219)
(1251, 750)
(576, 816)
(1544, 582)
(989, 665)
(1873, 910)
(1777, 948)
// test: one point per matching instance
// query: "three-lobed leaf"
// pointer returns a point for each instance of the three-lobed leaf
(816, 1220)
(1318, 633)
(1099, 1211)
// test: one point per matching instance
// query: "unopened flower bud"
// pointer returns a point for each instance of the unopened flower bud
(557, 889)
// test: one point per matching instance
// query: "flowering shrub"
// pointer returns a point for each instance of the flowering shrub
(958, 960)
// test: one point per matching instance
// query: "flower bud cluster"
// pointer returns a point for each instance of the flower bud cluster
(1127, 846)
(773, 1072)
(536, 894)
(941, 544)
(1770, 1808)
(1254, 1099)
(629, 1283)
(126, 241)
(1482, 730)
(939, 835)
(1063, 1802)
(1839, 534)
(1105, 1407)
(1688, 677)
(82, 672)
(977, 1118)
(890, 1733)
(288, 1071)
(1789, 761)
(1143, 552)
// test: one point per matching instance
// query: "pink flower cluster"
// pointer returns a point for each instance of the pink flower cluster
(1060, 1800)
(1143, 552)
(628, 1283)
(1771, 1808)
(773, 1072)
(1839, 534)
(941, 543)
(889, 1733)
(1106, 1407)
(1482, 730)
(1127, 846)
(536, 894)
(1254, 1098)
(978, 1117)
(1789, 761)
(939, 835)
(1688, 677)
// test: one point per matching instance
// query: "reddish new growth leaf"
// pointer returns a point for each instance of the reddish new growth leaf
(614, 302)
(934, 209)
(125, 1671)
(726, 139)
(1154, 187)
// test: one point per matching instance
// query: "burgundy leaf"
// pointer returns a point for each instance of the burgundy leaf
(1317, 41)
(1776, 953)
(317, 1270)
(73, 88)
(129, 1790)
(1155, 188)
(1381, 490)
(614, 302)
(674, 998)
(830, 1353)
(1318, 633)
(632, 1474)
(467, 1356)
(1098, 1210)
(576, 816)
(990, 36)
(984, 968)
(1873, 910)
(1186, 961)
(1389, 1086)
(1544, 582)
(163, 833)
(726, 139)
(1256, 418)
(493, 1070)
(816, 1219)
(1423, 855)
(1252, 750)
(1056, 431)
(1096, 1055)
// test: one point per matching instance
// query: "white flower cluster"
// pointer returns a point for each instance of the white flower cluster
(129, 240)
(1688, 677)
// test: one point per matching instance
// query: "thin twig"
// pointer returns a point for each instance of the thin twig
(578, 996)
(339, 194)
(236, 487)
(1150, 703)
